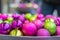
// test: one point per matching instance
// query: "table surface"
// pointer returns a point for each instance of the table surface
(4, 37)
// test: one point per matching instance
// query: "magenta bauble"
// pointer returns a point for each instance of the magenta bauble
(15, 16)
(4, 16)
(48, 16)
(40, 16)
(14, 24)
(26, 21)
(39, 24)
(21, 17)
(58, 21)
(7, 26)
(58, 30)
(29, 29)
(43, 32)
(19, 23)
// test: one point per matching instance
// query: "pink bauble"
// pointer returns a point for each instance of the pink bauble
(48, 16)
(14, 24)
(26, 21)
(58, 18)
(19, 24)
(21, 17)
(4, 31)
(58, 30)
(29, 29)
(40, 16)
(15, 16)
(6, 26)
(52, 17)
(1, 28)
(42, 19)
(43, 32)
(0, 15)
(4, 16)
(58, 21)
(39, 24)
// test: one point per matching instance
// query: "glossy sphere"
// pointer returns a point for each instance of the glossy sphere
(15, 16)
(14, 24)
(22, 17)
(29, 29)
(10, 19)
(50, 26)
(5, 28)
(16, 33)
(43, 32)
(48, 16)
(39, 24)
(49, 20)
(1, 21)
(40, 16)
(4, 16)
(58, 21)
(19, 24)
(58, 30)
(26, 21)
(28, 16)
(32, 19)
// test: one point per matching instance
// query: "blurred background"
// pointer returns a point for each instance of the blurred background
(21, 6)
(11, 6)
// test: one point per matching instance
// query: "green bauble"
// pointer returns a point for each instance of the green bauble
(6, 21)
(49, 20)
(50, 26)
(13, 33)
(10, 19)
(1, 21)
(32, 19)
(35, 16)
(16, 33)
(28, 15)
